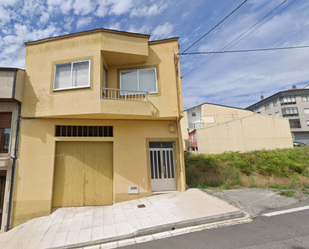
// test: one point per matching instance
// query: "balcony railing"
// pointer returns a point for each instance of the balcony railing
(112, 93)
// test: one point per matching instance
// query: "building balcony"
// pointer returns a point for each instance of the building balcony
(125, 102)
(130, 95)
(11, 84)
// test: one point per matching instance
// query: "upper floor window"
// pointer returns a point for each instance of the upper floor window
(306, 110)
(5, 131)
(267, 106)
(295, 123)
(286, 100)
(257, 110)
(139, 80)
(275, 103)
(289, 111)
(305, 98)
(72, 75)
(193, 114)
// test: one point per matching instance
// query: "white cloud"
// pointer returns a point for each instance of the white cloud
(120, 7)
(82, 22)
(101, 10)
(44, 18)
(4, 17)
(83, 7)
(115, 26)
(162, 31)
(66, 6)
(68, 22)
(152, 10)
(142, 30)
(8, 2)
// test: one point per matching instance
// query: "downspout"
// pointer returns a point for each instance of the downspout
(14, 157)
(180, 115)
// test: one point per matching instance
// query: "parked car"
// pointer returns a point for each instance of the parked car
(298, 144)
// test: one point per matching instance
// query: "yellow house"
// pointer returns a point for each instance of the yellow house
(100, 122)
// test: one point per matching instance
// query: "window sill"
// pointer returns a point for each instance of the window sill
(70, 88)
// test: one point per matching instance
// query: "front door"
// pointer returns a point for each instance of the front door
(162, 166)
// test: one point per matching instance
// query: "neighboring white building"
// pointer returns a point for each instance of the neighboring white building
(292, 104)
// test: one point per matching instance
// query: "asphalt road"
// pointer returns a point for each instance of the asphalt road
(282, 231)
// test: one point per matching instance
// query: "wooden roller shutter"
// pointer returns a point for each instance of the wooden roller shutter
(5, 119)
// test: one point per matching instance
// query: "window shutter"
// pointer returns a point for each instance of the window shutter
(63, 76)
(80, 74)
(148, 80)
(129, 80)
(5, 119)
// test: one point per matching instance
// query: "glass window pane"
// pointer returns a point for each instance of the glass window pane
(80, 74)
(128, 80)
(148, 80)
(62, 76)
(6, 140)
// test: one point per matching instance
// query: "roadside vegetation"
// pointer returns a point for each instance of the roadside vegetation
(286, 170)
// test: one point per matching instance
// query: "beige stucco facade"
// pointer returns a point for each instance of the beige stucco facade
(135, 124)
(222, 128)
(250, 133)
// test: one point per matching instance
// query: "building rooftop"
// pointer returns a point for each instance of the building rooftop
(302, 91)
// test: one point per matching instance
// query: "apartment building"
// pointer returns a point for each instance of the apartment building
(292, 104)
(11, 95)
(100, 122)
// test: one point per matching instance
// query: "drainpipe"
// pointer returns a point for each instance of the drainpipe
(180, 115)
(14, 157)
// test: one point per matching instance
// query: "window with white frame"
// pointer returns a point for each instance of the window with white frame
(267, 106)
(139, 80)
(275, 103)
(289, 111)
(305, 98)
(307, 122)
(75, 74)
(306, 110)
(286, 100)
(257, 110)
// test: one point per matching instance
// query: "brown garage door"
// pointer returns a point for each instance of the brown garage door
(83, 174)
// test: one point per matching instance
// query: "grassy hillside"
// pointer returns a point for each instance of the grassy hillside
(281, 168)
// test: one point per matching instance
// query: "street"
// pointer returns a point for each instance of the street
(290, 230)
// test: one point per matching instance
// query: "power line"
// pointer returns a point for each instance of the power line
(215, 26)
(245, 50)
(231, 45)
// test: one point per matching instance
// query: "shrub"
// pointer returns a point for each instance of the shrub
(228, 168)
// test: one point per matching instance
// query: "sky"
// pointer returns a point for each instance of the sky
(233, 79)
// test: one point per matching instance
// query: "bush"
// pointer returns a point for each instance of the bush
(227, 168)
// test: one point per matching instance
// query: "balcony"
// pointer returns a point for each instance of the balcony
(125, 102)
(112, 93)
(11, 84)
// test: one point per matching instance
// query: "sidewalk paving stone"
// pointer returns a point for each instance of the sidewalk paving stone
(121, 224)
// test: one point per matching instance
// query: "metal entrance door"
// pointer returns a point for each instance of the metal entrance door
(162, 166)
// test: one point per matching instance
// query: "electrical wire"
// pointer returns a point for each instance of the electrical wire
(215, 26)
(229, 45)
(246, 50)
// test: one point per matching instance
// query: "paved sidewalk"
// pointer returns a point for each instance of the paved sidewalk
(77, 227)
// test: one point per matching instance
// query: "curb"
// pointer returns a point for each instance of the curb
(159, 229)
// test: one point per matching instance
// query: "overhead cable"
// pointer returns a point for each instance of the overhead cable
(229, 45)
(215, 26)
(245, 50)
